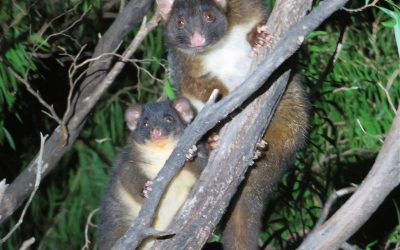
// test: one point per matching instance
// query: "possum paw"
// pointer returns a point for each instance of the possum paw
(212, 141)
(191, 154)
(262, 146)
(148, 187)
(259, 38)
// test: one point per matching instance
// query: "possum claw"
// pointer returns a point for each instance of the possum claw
(148, 187)
(191, 153)
(259, 38)
(262, 146)
(212, 141)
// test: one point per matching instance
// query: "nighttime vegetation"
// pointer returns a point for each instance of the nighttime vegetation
(350, 67)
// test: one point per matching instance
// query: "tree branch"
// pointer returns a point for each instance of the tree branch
(331, 200)
(90, 91)
(41, 166)
(380, 181)
(212, 113)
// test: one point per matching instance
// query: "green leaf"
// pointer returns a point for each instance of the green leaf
(392, 14)
(9, 138)
(396, 27)
(169, 90)
(389, 24)
(4, 87)
(316, 33)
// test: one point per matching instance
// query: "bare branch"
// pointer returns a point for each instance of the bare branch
(363, 7)
(89, 224)
(377, 137)
(380, 181)
(325, 211)
(56, 146)
(45, 26)
(27, 244)
(40, 167)
(62, 32)
(387, 96)
(36, 94)
(392, 79)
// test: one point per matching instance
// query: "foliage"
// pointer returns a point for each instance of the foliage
(352, 113)
(395, 22)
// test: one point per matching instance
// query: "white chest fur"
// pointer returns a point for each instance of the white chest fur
(230, 60)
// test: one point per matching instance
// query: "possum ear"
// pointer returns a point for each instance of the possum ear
(132, 115)
(165, 6)
(221, 3)
(185, 111)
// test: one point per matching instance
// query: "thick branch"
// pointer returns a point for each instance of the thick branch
(91, 90)
(381, 180)
(213, 113)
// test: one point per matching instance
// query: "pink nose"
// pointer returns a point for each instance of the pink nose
(156, 133)
(197, 40)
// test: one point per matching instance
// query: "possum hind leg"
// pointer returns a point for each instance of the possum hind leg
(285, 135)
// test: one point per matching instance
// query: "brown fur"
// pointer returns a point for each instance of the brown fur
(199, 86)
(285, 135)
(241, 12)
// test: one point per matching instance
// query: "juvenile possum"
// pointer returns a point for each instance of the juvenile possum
(155, 130)
(210, 46)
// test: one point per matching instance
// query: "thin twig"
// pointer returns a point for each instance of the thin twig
(89, 224)
(377, 137)
(27, 244)
(332, 198)
(387, 97)
(40, 167)
(36, 94)
(72, 84)
(343, 89)
(45, 26)
(62, 32)
(329, 66)
(144, 29)
(392, 78)
(373, 4)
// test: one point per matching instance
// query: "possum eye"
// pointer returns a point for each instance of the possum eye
(208, 16)
(146, 123)
(181, 22)
(168, 119)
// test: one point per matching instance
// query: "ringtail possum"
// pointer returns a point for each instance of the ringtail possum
(211, 45)
(155, 129)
